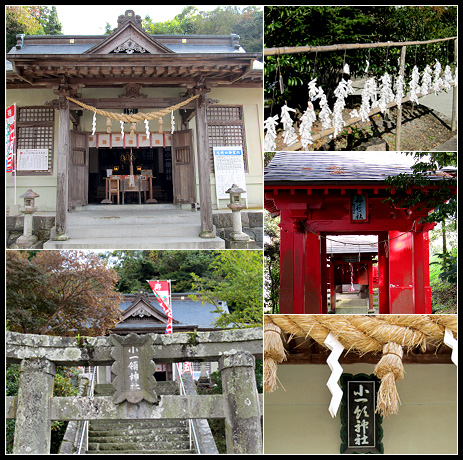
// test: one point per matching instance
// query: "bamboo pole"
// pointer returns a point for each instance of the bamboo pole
(351, 46)
(398, 128)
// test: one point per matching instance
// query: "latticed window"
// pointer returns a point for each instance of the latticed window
(226, 129)
(35, 130)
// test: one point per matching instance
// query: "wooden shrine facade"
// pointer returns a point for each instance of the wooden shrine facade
(320, 195)
(130, 70)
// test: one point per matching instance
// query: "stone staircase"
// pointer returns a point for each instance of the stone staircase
(351, 302)
(139, 436)
(145, 226)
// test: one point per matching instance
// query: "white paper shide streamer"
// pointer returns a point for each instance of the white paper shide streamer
(451, 343)
(336, 370)
(94, 123)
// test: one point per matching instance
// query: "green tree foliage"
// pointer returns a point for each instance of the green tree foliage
(328, 25)
(60, 293)
(30, 20)
(237, 279)
(134, 268)
(224, 20)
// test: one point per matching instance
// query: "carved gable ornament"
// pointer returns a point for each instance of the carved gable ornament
(129, 38)
(129, 47)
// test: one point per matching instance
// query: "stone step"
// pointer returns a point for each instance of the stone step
(137, 436)
(165, 242)
(110, 425)
(164, 446)
(137, 452)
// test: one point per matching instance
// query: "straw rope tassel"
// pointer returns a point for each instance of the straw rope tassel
(336, 371)
(274, 353)
(389, 370)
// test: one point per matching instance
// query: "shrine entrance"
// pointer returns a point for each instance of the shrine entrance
(351, 268)
(153, 165)
(318, 195)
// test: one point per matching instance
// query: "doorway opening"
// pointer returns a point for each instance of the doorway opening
(151, 165)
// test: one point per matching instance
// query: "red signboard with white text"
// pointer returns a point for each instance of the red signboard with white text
(10, 137)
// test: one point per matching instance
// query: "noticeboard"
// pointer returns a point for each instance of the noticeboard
(32, 160)
(229, 170)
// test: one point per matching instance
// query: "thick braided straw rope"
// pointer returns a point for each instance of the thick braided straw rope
(362, 334)
(134, 118)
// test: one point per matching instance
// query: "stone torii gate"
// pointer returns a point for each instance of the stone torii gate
(34, 408)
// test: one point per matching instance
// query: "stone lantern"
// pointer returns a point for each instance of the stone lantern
(28, 239)
(236, 205)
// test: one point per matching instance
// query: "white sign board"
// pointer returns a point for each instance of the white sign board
(32, 160)
(229, 170)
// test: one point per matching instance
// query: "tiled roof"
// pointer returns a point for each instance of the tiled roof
(351, 244)
(322, 167)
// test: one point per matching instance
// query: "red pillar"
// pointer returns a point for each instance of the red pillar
(422, 288)
(383, 273)
(313, 275)
(370, 285)
(332, 287)
(286, 299)
(401, 280)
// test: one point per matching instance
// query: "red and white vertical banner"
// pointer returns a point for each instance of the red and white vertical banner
(161, 290)
(187, 367)
(10, 123)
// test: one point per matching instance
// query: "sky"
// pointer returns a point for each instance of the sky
(91, 19)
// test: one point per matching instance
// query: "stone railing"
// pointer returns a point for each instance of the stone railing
(35, 408)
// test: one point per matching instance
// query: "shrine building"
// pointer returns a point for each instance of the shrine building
(170, 117)
(320, 196)
(142, 314)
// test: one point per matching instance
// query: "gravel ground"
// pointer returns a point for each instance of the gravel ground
(422, 130)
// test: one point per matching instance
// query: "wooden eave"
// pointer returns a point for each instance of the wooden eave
(103, 70)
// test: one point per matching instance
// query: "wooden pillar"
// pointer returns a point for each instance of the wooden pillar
(383, 272)
(241, 403)
(286, 295)
(401, 272)
(455, 95)
(323, 276)
(313, 275)
(371, 306)
(398, 128)
(204, 170)
(33, 426)
(332, 288)
(62, 170)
